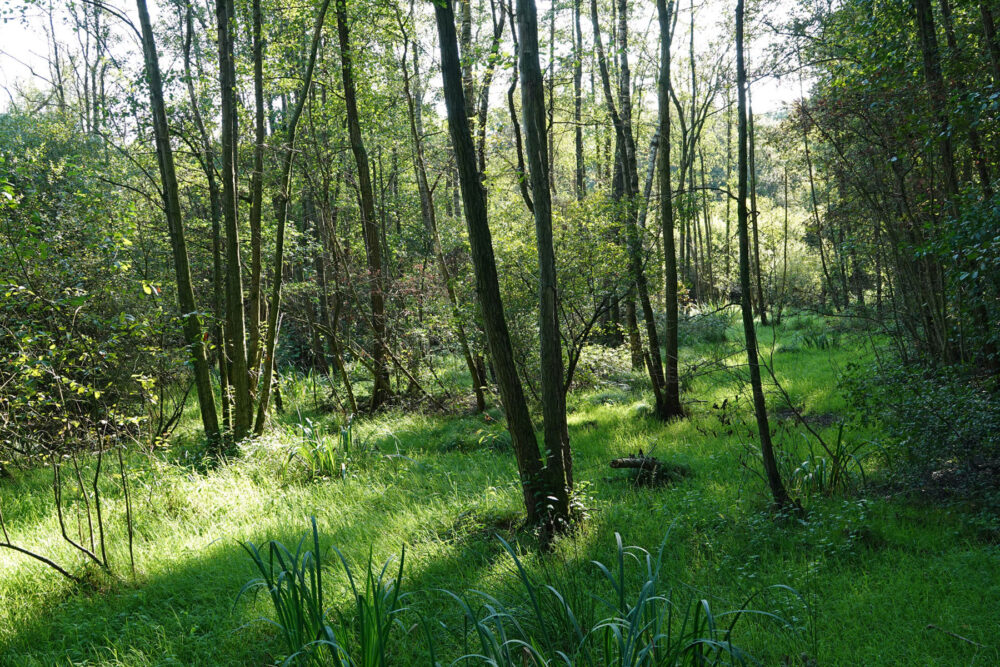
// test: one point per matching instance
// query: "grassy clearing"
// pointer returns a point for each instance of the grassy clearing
(875, 571)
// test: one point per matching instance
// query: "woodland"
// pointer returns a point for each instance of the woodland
(501, 332)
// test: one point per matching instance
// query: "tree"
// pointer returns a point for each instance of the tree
(264, 388)
(175, 224)
(671, 399)
(537, 483)
(369, 222)
(559, 458)
(778, 491)
(235, 327)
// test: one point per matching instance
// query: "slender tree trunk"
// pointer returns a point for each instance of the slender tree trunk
(264, 387)
(484, 88)
(992, 43)
(709, 277)
(215, 201)
(369, 222)
(429, 216)
(558, 456)
(761, 304)
(672, 394)
(628, 172)
(784, 260)
(778, 491)
(235, 330)
(256, 190)
(729, 178)
(581, 185)
(175, 224)
(938, 95)
(533, 484)
(975, 141)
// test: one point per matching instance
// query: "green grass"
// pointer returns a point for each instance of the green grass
(875, 571)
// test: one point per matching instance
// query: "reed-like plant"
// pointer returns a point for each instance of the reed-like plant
(644, 627)
(322, 455)
(311, 633)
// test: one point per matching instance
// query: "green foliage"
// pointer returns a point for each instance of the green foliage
(838, 471)
(812, 332)
(704, 328)
(294, 583)
(328, 455)
(940, 428)
(645, 625)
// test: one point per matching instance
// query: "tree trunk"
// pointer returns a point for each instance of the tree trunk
(427, 212)
(672, 394)
(558, 456)
(778, 491)
(522, 433)
(369, 223)
(256, 190)
(168, 179)
(215, 201)
(581, 185)
(992, 44)
(264, 386)
(761, 305)
(235, 330)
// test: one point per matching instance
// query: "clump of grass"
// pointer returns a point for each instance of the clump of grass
(294, 582)
(643, 626)
(323, 454)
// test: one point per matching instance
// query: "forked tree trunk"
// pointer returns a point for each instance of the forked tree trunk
(535, 483)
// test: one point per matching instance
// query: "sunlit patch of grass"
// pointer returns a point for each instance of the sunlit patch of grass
(876, 574)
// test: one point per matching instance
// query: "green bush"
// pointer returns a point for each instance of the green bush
(941, 427)
(702, 328)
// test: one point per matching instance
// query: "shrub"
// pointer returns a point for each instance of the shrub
(941, 427)
(709, 328)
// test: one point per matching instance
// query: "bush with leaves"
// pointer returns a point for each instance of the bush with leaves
(941, 426)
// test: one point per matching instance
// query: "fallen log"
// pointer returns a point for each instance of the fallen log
(651, 470)
(641, 462)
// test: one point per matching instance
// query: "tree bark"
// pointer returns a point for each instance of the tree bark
(761, 305)
(778, 491)
(533, 484)
(168, 180)
(235, 329)
(672, 397)
(256, 189)
(581, 185)
(370, 227)
(558, 456)
(264, 385)
(215, 201)
(427, 212)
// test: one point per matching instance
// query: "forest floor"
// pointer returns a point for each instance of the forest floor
(880, 579)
